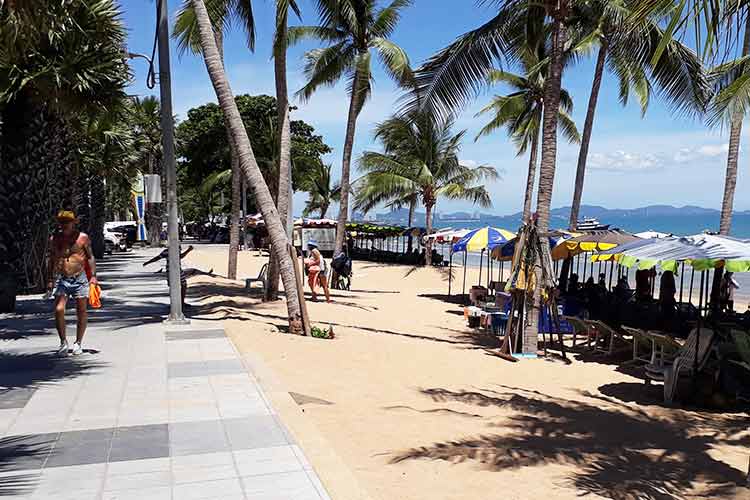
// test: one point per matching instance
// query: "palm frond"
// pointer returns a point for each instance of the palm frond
(324, 67)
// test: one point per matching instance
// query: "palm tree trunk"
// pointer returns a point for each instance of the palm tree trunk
(547, 164)
(735, 133)
(234, 216)
(284, 140)
(412, 206)
(588, 125)
(323, 210)
(98, 199)
(351, 123)
(530, 178)
(730, 181)
(428, 228)
(248, 164)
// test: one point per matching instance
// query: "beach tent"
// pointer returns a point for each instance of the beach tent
(593, 241)
(647, 235)
(447, 235)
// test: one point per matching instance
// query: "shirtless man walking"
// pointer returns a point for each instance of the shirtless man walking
(70, 249)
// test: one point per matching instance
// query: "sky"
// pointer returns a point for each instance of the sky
(634, 161)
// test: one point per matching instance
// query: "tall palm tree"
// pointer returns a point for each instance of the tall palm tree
(520, 112)
(59, 60)
(627, 51)
(321, 192)
(454, 75)
(249, 166)
(420, 158)
(353, 29)
(221, 13)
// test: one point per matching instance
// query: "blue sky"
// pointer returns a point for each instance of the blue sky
(660, 159)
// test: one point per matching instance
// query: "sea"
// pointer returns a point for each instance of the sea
(677, 225)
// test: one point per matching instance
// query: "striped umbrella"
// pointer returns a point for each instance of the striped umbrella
(484, 238)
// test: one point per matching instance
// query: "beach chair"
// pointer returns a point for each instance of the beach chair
(742, 342)
(609, 335)
(640, 338)
(262, 277)
(683, 363)
(579, 328)
(665, 348)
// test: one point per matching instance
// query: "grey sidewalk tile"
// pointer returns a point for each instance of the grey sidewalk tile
(157, 493)
(204, 467)
(283, 486)
(204, 368)
(138, 480)
(15, 397)
(273, 460)
(83, 453)
(187, 438)
(224, 489)
(255, 431)
(135, 466)
(212, 333)
(26, 452)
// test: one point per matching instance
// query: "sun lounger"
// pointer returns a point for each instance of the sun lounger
(609, 335)
(262, 277)
(640, 338)
(683, 363)
(579, 328)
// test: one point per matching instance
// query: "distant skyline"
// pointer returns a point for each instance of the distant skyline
(660, 159)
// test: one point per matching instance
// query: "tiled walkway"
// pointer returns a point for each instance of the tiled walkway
(147, 412)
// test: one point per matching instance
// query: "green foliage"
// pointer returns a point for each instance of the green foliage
(420, 160)
(320, 333)
(203, 151)
(67, 54)
(321, 193)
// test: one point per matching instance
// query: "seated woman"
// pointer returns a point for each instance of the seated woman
(317, 271)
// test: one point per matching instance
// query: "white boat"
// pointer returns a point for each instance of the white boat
(590, 224)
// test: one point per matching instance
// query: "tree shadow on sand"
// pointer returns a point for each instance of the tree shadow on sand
(618, 451)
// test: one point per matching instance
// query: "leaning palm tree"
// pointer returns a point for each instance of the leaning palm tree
(321, 193)
(627, 51)
(520, 113)
(247, 161)
(221, 13)
(420, 158)
(353, 29)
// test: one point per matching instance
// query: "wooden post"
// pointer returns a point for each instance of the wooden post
(300, 290)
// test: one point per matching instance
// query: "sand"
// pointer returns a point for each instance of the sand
(418, 406)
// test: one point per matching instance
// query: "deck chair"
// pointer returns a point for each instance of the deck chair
(665, 348)
(742, 342)
(641, 338)
(609, 335)
(579, 328)
(262, 277)
(683, 363)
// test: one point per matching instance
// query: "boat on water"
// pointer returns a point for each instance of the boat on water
(590, 224)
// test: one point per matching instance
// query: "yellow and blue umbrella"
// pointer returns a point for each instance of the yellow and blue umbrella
(485, 238)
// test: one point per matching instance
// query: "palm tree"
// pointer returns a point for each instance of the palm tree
(420, 158)
(520, 112)
(247, 162)
(60, 60)
(222, 13)
(321, 193)
(627, 50)
(352, 28)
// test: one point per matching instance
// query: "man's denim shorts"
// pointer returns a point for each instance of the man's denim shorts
(76, 286)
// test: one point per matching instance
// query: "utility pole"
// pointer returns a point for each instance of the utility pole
(167, 131)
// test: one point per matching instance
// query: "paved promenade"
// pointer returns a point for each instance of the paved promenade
(148, 412)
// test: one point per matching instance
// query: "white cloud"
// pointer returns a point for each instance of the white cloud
(625, 161)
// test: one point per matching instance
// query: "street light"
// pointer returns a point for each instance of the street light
(167, 137)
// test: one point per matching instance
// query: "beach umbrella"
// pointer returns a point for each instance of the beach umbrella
(593, 241)
(505, 252)
(647, 235)
(484, 238)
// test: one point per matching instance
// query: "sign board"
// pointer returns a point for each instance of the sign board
(152, 185)
(326, 238)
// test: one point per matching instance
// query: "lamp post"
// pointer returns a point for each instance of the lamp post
(167, 137)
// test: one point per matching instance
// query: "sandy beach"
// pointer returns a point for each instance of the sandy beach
(419, 407)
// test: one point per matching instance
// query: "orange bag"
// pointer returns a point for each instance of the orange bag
(95, 294)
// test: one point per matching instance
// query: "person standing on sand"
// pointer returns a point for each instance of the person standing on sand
(317, 270)
(70, 255)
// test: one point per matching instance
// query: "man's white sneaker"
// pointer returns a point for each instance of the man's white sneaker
(63, 349)
(77, 349)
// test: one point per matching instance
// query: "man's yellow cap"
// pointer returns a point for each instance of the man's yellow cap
(66, 216)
